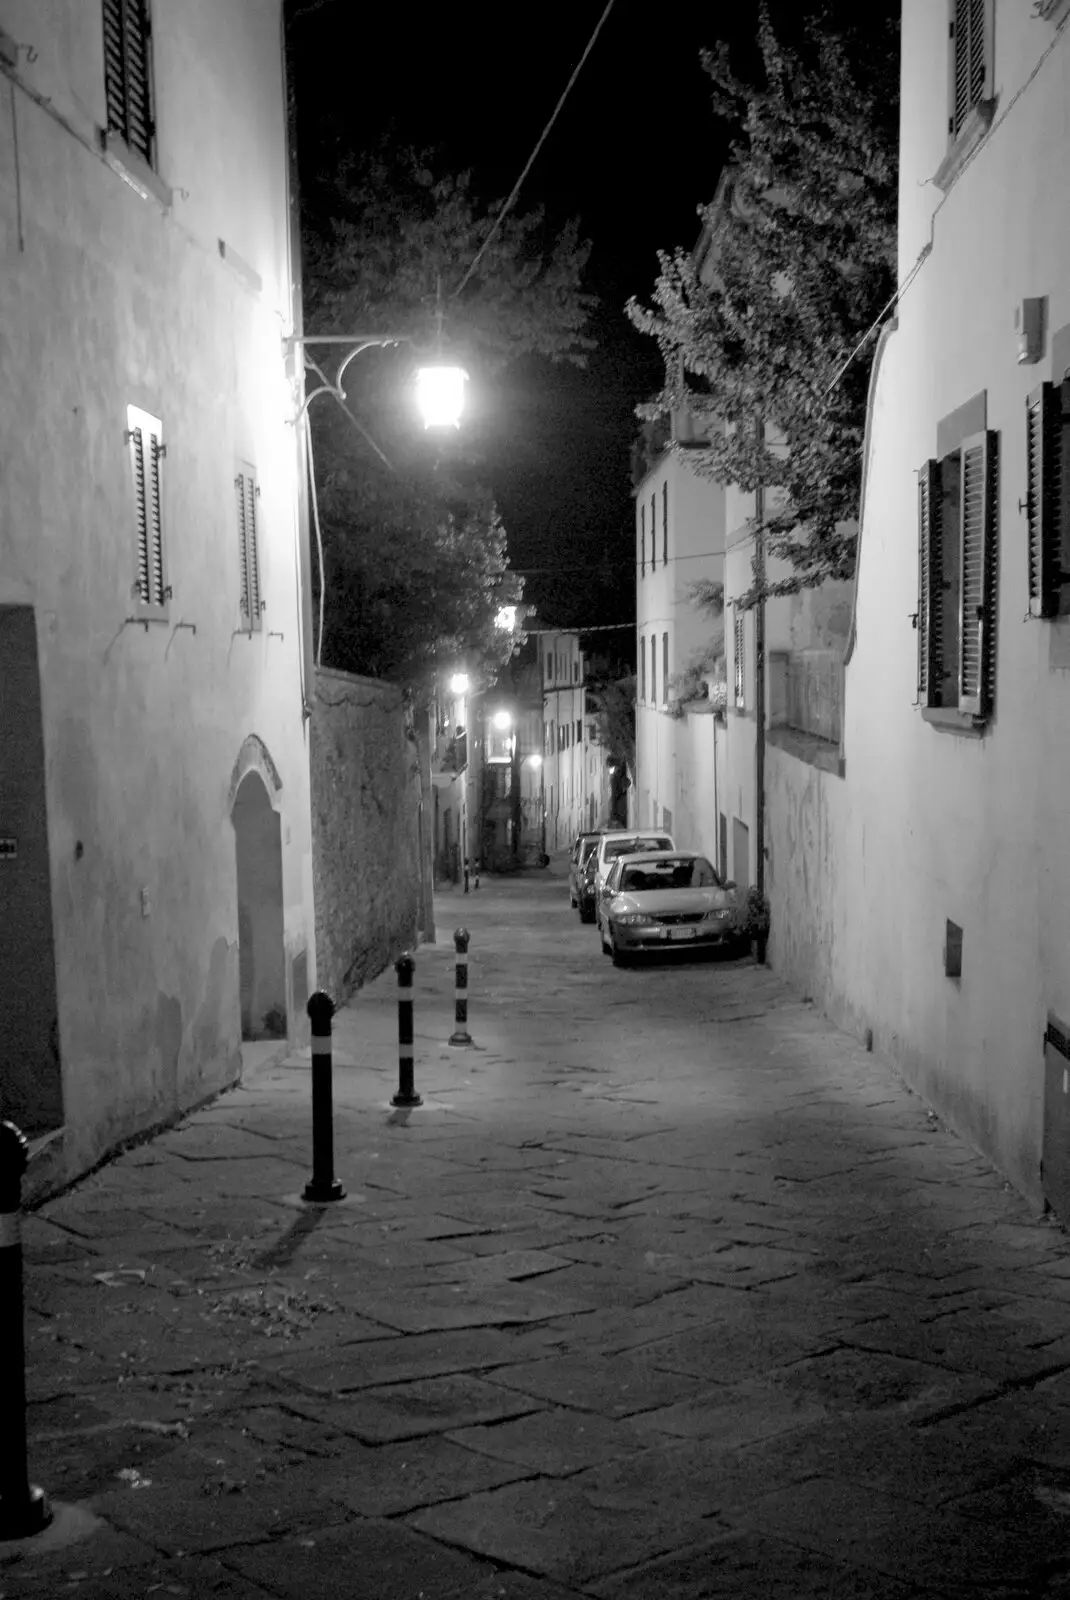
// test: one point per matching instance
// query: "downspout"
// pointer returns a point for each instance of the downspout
(759, 694)
(296, 311)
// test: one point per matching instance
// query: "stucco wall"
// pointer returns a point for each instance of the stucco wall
(365, 792)
(109, 299)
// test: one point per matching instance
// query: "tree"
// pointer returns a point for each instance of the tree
(756, 335)
(413, 547)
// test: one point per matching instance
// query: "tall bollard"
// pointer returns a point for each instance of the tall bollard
(460, 1035)
(24, 1509)
(405, 966)
(324, 1185)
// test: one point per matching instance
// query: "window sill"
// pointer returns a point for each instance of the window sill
(134, 170)
(809, 747)
(949, 719)
(974, 130)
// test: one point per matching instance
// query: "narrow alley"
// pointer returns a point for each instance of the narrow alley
(667, 1290)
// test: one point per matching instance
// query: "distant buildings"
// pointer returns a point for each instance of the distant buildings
(155, 857)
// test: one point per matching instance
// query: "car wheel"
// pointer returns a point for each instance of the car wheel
(572, 901)
(586, 913)
(619, 958)
(607, 942)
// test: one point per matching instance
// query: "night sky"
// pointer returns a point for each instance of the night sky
(633, 153)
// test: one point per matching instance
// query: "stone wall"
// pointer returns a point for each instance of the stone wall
(365, 830)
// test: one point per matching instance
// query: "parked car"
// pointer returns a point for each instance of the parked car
(669, 900)
(620, 842)
(580, 854)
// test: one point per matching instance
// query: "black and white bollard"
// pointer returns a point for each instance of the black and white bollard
(460, 1035)
(405, 966)
(323, 1185)
(24, 1509)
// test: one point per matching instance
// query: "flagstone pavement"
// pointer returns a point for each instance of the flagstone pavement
(668, 1290)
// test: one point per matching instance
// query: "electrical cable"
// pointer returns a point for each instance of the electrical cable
(507, 207)
(319, 534)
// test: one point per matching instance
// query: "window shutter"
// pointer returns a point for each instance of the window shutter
(1043, 434)
(977, 617)
(642, 541)
(665, 524)
(737, 663)
(146, 449)
(128, 74)
(248, 549)
(157, 587)
(653, 532)
(969, 61)
(930, 578)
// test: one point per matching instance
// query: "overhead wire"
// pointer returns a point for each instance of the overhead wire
(511, 201)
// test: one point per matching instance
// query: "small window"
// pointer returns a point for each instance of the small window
(971, 46)
(738, 663)
(128, 75)
(247, 491)
(1048, 498)
(549, 668)
(665, 523)
(575, 672)
(653, 531)
(665, 669)
(957, 578)
(642, 540)
(653, 670)
(642, 669)
(144, 438)
(579, 730)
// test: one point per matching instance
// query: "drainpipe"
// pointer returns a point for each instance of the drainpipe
(759, 693)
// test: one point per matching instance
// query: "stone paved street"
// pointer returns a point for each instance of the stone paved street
(668, 1291)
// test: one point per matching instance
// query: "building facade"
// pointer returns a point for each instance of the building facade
(154, 663)
(679, 542)
(924, 897)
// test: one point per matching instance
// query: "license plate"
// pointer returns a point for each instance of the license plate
(681, 933)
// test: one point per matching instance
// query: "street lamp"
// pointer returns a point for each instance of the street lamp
(502, 720)
(439, 384)
(459, 683)
(506, 618)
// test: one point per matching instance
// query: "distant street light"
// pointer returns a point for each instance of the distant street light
(535, 761)
(459, 683)
(502, 720)
(506, 618)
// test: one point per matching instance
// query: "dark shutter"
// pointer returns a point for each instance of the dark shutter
(969, 61)
(1043, 434)
(665, 666)
(653, 532)
(157, 589)
(248, 550)
(664, 524)
(977, 594)
(128, 74)
(642, 541)
(137, 463)
(930, 578)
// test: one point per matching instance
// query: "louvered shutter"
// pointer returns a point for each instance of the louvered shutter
(665, 524)
(135, 439)
(969, 61)
(128, 74)
(930, 581)
(248, 549)
(976, 595)
(158, 591)
(1043, 433)
(642, 540)
(653, 532)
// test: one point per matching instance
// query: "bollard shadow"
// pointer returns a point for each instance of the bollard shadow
(282, 1252)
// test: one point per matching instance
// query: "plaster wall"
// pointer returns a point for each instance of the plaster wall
(109, 299)
(933, 824)
(366, 789)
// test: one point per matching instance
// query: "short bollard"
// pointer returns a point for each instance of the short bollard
(405, 966)
(324, 1185)
(24, 1509)
(460, 1034)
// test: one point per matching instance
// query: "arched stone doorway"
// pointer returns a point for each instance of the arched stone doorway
(261, 945)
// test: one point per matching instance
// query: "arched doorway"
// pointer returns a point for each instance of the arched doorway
(261, 947)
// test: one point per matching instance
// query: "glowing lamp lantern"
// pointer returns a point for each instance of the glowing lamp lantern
(440, 395)
(506, 618)
(459, 683)
(503, 721)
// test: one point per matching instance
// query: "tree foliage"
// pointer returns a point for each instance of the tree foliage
(756, 330)
(414, 550)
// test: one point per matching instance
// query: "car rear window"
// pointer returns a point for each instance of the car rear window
(686, 872)
(628, 847)
(587, 848)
